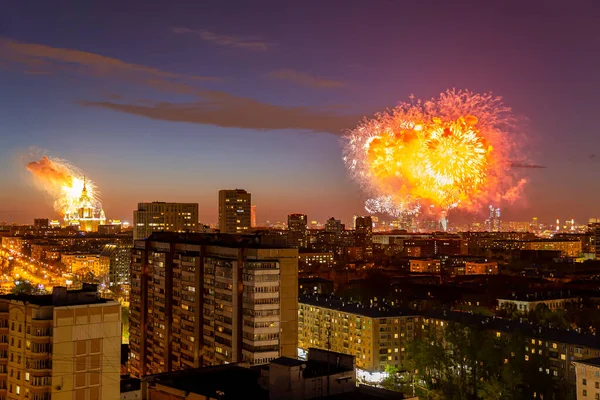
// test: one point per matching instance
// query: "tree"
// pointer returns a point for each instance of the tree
(392, 380)
(491, 389)
(23, 287)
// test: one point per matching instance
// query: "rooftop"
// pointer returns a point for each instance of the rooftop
(210, 239)
(595, 362)
(540, 296)
(527, 329)
(61, 297)
(229, 381)
(372, 311)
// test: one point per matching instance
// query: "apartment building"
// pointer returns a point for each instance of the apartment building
(160, 216)
(376, 336)
(588, 379)
(205, 299)
(426, 265)
(234, 211)
(65, 345)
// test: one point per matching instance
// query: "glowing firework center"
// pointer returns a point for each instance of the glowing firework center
(75, 197)
(450, 152)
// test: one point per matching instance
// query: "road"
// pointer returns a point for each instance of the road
(21, 267)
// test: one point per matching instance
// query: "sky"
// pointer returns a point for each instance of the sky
(172, 101)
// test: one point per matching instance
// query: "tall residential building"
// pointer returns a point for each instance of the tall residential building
(64, 345)
(364, 235)
(253, 216)
(234, 211)
(114, 259)
(202, 299)
(334, 226)
(296, 235)
(595, 229)
(160, 216)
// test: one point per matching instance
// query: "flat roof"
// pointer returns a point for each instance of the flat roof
(227, 381)
(211, 239)
(336, 303)
(595, 362)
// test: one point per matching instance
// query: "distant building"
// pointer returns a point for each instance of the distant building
(41, 223)
(481, 268)
(364, 236)
(110, 229)
(595, 230)
(115, 259)
(210, 299)
(77, 262)
(65, 345)
(428, 266)
(334, 226)
(234, 211)
(529, 302)
(568, 248)
(588, 378)
(253, 216)
(164, 217)
(297, 230)
(308, 259)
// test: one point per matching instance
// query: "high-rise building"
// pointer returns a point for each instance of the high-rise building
(64, 345)
(364, 235)
(595, 229)
(114, 259)
(202, 299)
(253, 216)
(234, 211)
(168, 217)
(41, 223)
(296, 235)
(334, 226)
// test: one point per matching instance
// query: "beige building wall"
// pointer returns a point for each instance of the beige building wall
(588, 381)
(86, 348)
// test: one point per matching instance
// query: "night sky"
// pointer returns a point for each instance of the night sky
(171, 101)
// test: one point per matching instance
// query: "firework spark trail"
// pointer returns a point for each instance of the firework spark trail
(64, 182)
(451, 152)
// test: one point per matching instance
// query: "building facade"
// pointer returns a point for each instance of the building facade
(588, 379)
(296, 234)
(66, 345)
(115, 259)
(428, 265)
(234, 211)
(201, 299)
(167, 217)
(376, 337)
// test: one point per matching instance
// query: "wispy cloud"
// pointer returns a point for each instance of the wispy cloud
(209, 107)
(524, 165)
(46, 59)
(251, 43)
(305, 79)
(225, 110)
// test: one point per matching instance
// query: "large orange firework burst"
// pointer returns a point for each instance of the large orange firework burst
(451, 152)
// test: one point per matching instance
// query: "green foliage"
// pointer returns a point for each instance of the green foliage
(24, 287)
(467, 363)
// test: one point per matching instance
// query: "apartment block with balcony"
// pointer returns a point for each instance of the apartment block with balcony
(376, 336)
(202, 299)
(65, 345)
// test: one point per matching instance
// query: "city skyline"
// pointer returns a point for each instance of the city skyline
(176, 104)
